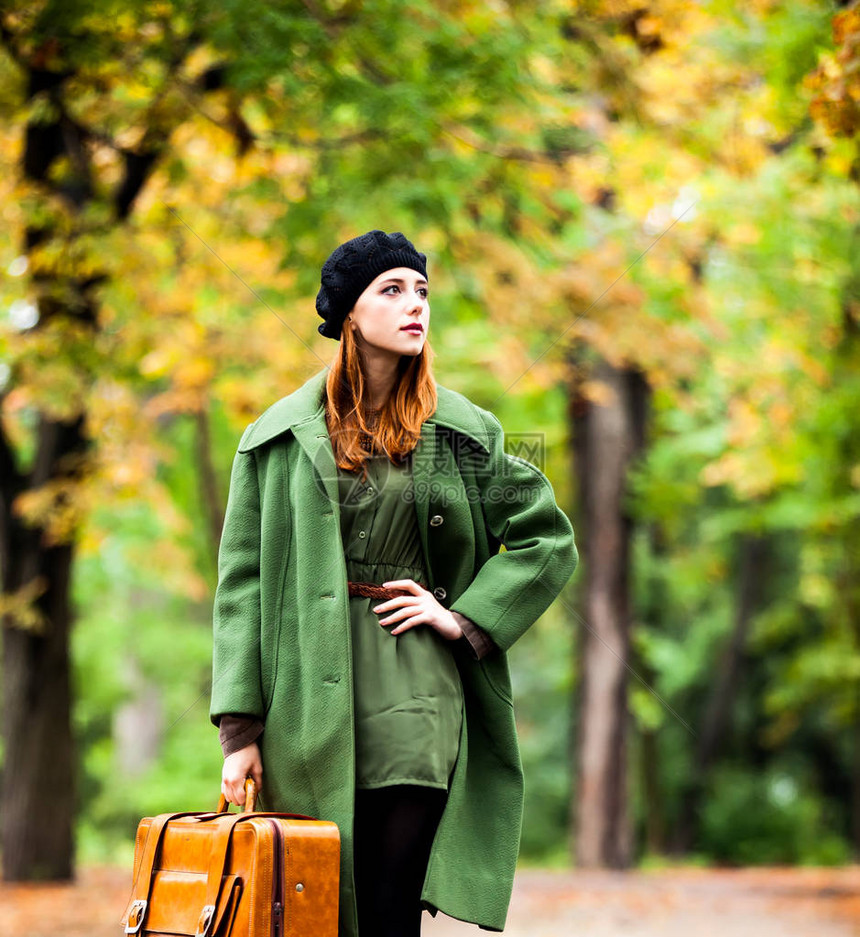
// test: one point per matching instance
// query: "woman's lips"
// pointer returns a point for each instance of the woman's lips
(417, 329)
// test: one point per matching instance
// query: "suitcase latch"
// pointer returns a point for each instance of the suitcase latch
(205, 921)
(135, 916)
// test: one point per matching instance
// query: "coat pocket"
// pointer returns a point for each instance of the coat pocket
(498, 675)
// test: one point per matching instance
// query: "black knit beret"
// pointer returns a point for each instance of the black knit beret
(353, 266)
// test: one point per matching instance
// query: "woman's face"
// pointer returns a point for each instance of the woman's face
(393, 313)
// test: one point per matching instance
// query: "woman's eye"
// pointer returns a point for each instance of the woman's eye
(422, 289)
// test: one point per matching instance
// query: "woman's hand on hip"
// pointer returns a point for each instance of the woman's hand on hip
(418, 608)
(241, 764)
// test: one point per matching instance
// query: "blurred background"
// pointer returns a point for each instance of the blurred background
(641, 219)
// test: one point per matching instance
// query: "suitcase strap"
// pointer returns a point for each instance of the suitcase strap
(217, 862)
(143, 881)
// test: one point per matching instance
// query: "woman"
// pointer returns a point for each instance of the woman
(363, 508)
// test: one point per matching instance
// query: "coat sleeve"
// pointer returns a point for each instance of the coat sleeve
(514, 587)
(236, 618)
(475, 639)
(236, 731)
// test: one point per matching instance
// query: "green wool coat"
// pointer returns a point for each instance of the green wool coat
(282, 648)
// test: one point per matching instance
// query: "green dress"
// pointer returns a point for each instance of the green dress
(408, 698)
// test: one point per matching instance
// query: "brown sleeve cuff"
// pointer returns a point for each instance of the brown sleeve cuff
(479, 642)
(237, 731)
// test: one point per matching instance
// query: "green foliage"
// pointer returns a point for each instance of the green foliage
(542, 684)
(134, 641)
(772, 817)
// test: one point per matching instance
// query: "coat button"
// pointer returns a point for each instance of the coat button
(439, 592)
(362, 534)
(435, 520)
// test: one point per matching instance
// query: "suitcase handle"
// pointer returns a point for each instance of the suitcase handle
(250, 798)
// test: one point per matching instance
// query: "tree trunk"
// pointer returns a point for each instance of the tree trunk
(655, 819)
(752, 554)
(138, 724)
(607, 436)
(213, 506)
(37, 790)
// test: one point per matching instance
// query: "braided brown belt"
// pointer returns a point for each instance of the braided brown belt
(374, 591)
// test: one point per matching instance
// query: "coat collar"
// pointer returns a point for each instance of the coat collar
(305, 406)
(303, 413)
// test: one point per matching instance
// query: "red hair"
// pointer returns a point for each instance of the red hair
(396, 433)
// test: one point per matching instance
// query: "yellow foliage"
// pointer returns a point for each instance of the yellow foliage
(58, 507)
(598, 392)
(816, 589)
(835, 83)
(18, 609)
(744, 232)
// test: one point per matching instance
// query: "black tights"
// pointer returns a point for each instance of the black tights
(394, 830)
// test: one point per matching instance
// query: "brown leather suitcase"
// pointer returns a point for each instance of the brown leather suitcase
(248, 874)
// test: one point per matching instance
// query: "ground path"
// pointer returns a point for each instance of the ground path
(759, 902)
(677, 903)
